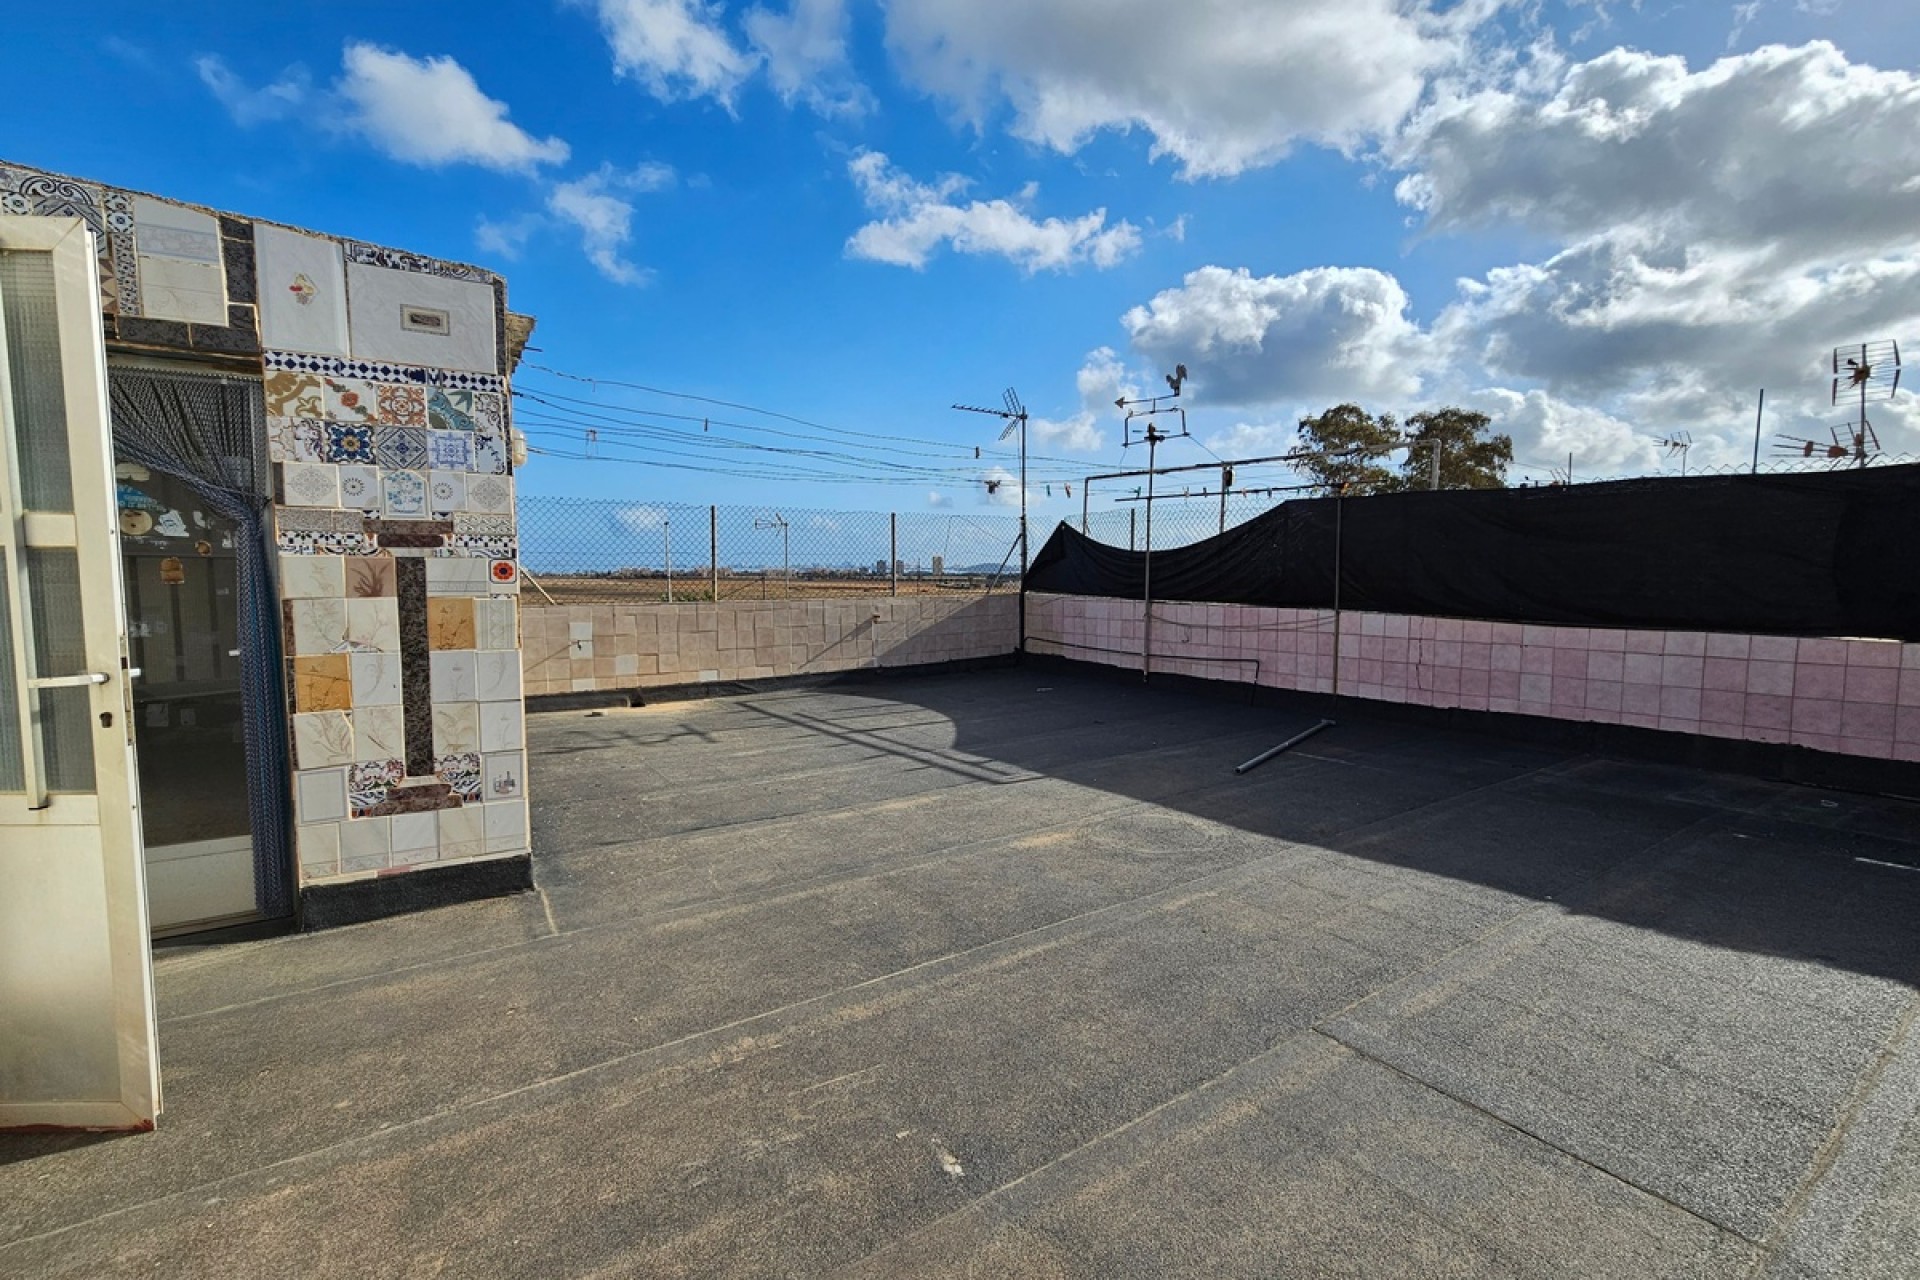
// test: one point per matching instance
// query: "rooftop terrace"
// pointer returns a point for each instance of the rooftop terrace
(1008, 974)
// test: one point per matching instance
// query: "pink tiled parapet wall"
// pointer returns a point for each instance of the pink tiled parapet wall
(1853, 697)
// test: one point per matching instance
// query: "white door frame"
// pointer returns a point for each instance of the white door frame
(78, 1044)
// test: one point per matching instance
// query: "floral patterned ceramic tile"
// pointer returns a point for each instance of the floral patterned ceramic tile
(446, 491)
(369, 783)
(406, 494)
(351, 400)
(310, 484)
(402, 447)
(489, 453)
(360, 488)
(450, 410)
(293, 395)
(296, 440)
(489, 410)
(402, 405)
(490, 493)
(461, 771)
(350, 442)
(450, 450)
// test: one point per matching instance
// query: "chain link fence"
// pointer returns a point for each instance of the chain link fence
(1181, 519)
(581, 551)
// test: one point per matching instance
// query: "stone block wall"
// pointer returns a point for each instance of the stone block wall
(604, 648)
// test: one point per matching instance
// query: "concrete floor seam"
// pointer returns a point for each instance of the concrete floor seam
(1534, 1137)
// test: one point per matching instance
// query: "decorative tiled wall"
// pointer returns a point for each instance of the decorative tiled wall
(389, 433)
(1853, 697)
(601, 648)
(399, 563)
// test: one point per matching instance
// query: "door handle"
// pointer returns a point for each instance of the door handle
(69, 682)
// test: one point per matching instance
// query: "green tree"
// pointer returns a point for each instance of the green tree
(1470, 458)
(1351, 447)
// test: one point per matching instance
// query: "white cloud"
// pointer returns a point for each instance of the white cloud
(918, 218)
(1721, 231)
(605, 219)
(249, 105)
(676, 48)
(1222, 86)
(1338, 333)
(429, 111)
(804, 51)
(640, 519)
(506, 237)
(935, 498)
(1797, 150)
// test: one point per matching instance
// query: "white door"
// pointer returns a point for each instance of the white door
(77, 1044)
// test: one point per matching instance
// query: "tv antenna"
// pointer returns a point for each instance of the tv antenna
(1148, 409)
(1676, 444)
(1861, 372)
(1014, 414)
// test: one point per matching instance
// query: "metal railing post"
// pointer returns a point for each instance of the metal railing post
(713, 549)
(893, 553)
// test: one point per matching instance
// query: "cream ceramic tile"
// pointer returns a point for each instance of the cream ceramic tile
(303, 291)
(496, 676)
(463, 832)
(360, 488)
(319, 626)
(503, 776)
(488, 493)
(311, 577)
(310, 484)
(320, 795)
(376, 680)
(453, 676)
(319, 849)
(501, 726)
(506, 826)
(378, 298)
(456, 576)
(446, 491)
(322, 738)
(496, 623)
(365, 844)
(373, 625)
(456, 728)
(415, 837)
(379, 733)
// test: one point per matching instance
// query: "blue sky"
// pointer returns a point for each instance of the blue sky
(1600, 222)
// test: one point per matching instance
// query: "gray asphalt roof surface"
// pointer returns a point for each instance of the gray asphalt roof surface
(1008, 974)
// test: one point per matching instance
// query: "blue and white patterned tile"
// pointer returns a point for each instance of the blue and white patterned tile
(450, 410)
(450, 450)
(48, 196)
(350, 442)
(400, 260)
(405, 494)
(487, 545)
(402, 447)
(489, 453)
(380, 371)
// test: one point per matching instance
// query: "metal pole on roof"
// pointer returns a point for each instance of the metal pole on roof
(1758, 412)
